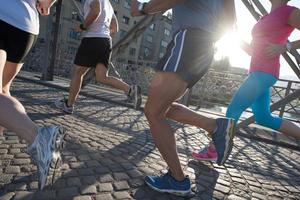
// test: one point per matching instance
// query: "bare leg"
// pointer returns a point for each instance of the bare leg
(14, 117)
(2, 63)
(183, 114)
(291, 129)
(102, 77)
(76, 83)
(9, 73)
(165, 88)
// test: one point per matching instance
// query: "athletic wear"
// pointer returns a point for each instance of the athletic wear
(100, 27)
(189, 54)
(93, 51)
(223, 138)
(208, 153)
(45, 150)
(272, 28)
(259, 83)
(21, 14)
(200, 14)
(166, 183)
(15, 42)
(62, 104)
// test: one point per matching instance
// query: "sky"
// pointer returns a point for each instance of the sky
(245, 22)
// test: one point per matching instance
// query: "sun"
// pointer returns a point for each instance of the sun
(228, 46)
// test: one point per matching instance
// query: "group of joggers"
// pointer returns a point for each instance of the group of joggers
(197, 25)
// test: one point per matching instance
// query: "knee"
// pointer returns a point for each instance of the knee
(151, 113)
(174, 108)
(101, 79)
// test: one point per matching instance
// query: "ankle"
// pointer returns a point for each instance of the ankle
(68, 103)
(177, 177)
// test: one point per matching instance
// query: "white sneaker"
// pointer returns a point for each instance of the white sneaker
(45, 150)
(62, 104)
(136, 96)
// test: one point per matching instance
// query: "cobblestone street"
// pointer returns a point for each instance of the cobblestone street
(109, 150)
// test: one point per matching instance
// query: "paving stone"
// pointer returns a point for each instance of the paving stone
(258, 196)
(73, 181)
(88, 180)
(12, 170)
(23, 195)
(104, 197)
(121, 195)
(136, 182)
(20, 161)
(121, 185)
(106, 178)
(34, 185)
(88, 190)
(45, 195)
(134, 173)
(120, 176)
(105, 187)
(3, 151)
(7, 196)
(16, 187)
(74, 165)
(67, 193)
(223, 189)
(82, 198)
(234, 197)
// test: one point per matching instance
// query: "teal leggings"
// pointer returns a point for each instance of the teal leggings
(255, 92)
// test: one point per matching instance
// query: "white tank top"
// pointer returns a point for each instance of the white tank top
(100, 27)
(21, 14)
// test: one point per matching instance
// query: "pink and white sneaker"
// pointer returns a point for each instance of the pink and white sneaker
(208, 153)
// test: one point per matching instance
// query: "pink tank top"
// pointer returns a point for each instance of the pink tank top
(271, 28)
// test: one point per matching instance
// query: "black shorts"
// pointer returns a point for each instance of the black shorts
(93, 51)
(15, 42)
(189, 54)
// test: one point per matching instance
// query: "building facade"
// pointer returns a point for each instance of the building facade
(148, 48)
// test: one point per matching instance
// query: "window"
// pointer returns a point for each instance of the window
(164, 43)
(161, 55)
(116, 1)
(132, 51)
(152, 27)
(146, 52)
(149, 38)
(126, 4)
(125, 20)
(74, 35)
(167, 32)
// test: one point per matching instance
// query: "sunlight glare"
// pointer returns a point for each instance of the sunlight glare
(228, 46)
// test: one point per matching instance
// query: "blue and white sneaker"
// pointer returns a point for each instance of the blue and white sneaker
(223, 138)
(166, 183)
(45, 150)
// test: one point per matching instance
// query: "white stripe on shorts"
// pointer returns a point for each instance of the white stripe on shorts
(166, 64)
(181, 47)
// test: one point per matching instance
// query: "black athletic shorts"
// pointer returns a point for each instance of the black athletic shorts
(15, 42)
(93, 51)
(189, 54)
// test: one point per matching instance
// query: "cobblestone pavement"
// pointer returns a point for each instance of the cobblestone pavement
(109, 150)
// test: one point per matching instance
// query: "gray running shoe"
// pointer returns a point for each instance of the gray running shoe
(45, 150)
(136, 95)
(223, 138)
(62, 104)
